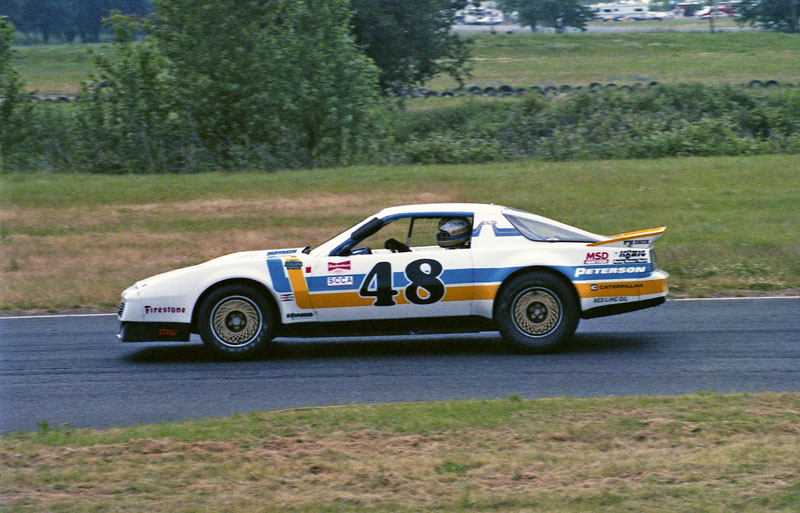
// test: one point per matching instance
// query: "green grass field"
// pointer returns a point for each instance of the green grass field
(73, 242)
(702, 453)
(524, 60)
(667, 57)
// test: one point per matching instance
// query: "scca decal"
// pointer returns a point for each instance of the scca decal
(340, 281)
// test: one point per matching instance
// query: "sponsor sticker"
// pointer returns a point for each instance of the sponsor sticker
(610, 300)
(163, 309)
(340, 281)
(339, 266)
(293, 264)
(636, 242)
(590, 271)
(631, 256)
(298, 315)
(596, 258)
(281, 252)
(287, 297)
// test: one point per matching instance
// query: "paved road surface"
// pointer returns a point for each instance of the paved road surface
(73, 369)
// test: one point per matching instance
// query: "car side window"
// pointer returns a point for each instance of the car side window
(395, 229)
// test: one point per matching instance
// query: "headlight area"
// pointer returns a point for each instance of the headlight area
(154, 332)
(153, 319)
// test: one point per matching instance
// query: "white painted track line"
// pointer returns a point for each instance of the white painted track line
(64, 316)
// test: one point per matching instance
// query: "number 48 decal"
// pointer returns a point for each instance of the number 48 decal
(422, 274)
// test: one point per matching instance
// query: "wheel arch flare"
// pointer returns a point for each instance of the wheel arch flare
(261, 287)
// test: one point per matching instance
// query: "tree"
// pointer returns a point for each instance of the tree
(224, 83)
(410, 40)
(778, 15)
(13, 102)
(558, 14)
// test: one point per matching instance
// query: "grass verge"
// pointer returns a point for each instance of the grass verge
(705, 452)
(524, 60)
(73, 242)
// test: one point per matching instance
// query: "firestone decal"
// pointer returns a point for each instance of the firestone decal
(163, 309)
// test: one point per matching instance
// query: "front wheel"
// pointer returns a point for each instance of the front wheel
(236, 322)
(537, 312)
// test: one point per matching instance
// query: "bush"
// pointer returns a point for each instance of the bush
(13, 103)
(659, 121)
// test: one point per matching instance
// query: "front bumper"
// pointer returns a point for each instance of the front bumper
(154, 332)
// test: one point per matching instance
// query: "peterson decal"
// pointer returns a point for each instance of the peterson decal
(595, 271)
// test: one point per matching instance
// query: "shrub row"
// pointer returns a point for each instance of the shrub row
(656, 121)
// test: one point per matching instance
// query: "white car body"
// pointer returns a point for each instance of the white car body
(337, 286)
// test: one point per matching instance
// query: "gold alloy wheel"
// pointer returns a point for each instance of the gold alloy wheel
(236, 321)
(536, 312)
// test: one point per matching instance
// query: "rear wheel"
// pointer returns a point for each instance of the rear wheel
(537, 312)
(236, 322)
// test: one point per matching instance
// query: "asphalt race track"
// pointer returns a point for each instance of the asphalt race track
(73, 370)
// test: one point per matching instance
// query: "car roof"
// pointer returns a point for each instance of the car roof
(441, 208)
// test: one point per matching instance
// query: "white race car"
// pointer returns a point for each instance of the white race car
(437, 268)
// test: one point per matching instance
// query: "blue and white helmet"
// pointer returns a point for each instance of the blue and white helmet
(454, 232)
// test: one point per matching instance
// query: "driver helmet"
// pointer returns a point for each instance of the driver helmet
(454, 232)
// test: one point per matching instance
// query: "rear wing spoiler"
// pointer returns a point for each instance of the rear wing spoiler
(640, 238)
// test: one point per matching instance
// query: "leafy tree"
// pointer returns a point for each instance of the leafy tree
(13, 104)
(779, 15)
(558, 14)
(410, 40)
(125, 111)
(283, 77)
(46, 17)
(230, 83)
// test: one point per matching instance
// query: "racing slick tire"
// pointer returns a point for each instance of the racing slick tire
(537, 312)
(236, 322)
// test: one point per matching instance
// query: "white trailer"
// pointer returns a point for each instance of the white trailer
(619, 10)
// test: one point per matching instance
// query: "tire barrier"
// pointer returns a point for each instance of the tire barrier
(506, 90)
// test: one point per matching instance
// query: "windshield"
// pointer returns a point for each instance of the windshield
(541, 229)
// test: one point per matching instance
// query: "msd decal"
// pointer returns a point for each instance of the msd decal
(339, 266)
(598, 257)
